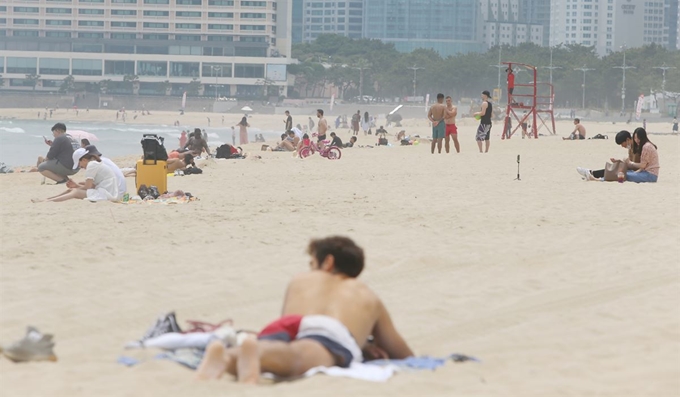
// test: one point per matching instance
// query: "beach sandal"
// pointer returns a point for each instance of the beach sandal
(35, 346)
(201, 326)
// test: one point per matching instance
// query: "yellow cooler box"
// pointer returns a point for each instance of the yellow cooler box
(152, 173)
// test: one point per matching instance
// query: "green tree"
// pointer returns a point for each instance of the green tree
(104, 86)
(194, 87)
(33, 79)
(67, 84)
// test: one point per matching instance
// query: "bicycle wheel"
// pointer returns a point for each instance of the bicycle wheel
(305, 152)
(334, 153)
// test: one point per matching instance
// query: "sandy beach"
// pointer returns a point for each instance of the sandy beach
(560, 287)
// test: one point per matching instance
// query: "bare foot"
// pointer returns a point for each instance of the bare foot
(214, 363)
(248, 362)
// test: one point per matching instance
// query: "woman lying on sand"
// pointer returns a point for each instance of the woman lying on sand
(100, 181)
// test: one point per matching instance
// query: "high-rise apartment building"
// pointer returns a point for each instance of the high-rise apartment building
(536, 12)
(606, 24)
(230, 45)
(671, 15)
(448, 27)
(503, 24)
(298, 20)
(332, 17)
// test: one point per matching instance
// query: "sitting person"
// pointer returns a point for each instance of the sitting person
(290, 142)
(623, 139)
(351, 142)
(196, 144)
(401, 135)
(647, 169)
(100, 181)
(336, 140)
(58, 163)
(328, 317)
(84, 143)
(578, 133)
(305, 142)
(120, 178)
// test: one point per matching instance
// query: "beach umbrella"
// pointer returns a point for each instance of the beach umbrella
(82, 135)
(246, 109)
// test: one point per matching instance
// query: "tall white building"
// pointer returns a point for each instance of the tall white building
(332, 17)
(607, 24)
(503, 24)
(230, 46)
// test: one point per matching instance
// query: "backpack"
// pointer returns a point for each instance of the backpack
(152, 146)
(600, 136)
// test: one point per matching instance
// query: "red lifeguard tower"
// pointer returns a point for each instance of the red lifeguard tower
(531, 102)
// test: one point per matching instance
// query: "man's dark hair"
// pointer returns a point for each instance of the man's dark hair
(189, 159)
(332, 133)
(577, 120)
(440, 96)
(353, 139)
(59, 126)
(320, 111)
(349, 257)
(287, 112)
(487, 93)
(622, 136)
(197, 131)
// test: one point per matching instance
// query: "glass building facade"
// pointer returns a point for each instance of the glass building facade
(448, 27)
(155, 40)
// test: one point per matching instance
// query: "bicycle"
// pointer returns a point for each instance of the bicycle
(327, 151)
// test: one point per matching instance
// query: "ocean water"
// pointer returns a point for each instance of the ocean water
(21, 141)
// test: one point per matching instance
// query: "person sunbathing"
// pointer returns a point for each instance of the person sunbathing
(328, 316)
(180, 163)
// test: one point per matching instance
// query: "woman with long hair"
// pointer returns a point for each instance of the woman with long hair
(647, 169)
(365, 123)
(243, 130)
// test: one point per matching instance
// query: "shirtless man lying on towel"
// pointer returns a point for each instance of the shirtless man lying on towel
(328, 316)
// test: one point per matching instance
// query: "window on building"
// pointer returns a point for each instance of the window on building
(155, 25)
(123, 12)
(91, 23)
(184, 69)
(152, 68)
(248, 70)
(189, 2)
(156, 1)
(156, 13)
(27, 9)
(188, 37)
(90, 35)
(253, 15)
(119, 68)
(26, 33)
(62, 35)
(57, 22)
(188, 14)
(253, 27)
(225, 15)
(89, 11)
(118, 24)
(124, 1)
(215, 69)
(54, 66)
(253, 4)
(250, 52)
(22, 65)
(87, 67)
(220, 26)
(121, 36)
(223, 3)
(22, 21)
(187, 26)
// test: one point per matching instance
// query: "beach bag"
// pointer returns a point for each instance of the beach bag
(226, 151)
(382, 141)
(152, 146)
(193, 170)
(600, 136)
(611, 171)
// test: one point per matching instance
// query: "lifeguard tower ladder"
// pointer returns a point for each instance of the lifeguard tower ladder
(535, 98)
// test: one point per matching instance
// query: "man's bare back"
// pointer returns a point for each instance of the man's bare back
(436, 113)
(345, 299)
(327, 318)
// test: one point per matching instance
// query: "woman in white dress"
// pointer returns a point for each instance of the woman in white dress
(366, 123)
(100, 181)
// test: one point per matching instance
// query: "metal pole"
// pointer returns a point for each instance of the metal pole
(584, 69)
(499, 66)
(415, 69)
(551, 67)
(623, 85)
(663, 82)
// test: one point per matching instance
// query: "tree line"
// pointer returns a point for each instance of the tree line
(371, 67)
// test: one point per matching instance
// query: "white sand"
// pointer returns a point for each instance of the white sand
(560, 287)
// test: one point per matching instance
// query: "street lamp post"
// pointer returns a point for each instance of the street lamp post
(213, 69)
(415, 76)
(584, 69)
(551, 67)
(663, 82)
(361, 69)
(499, 66)
(623, 85)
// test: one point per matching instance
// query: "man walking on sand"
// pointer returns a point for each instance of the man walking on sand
(451, 129)
(484, 129)
(327, 320)
(436, 116)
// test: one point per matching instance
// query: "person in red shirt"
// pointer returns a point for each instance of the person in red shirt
(511, 83)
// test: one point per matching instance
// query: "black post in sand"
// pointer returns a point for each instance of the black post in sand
(517, 179)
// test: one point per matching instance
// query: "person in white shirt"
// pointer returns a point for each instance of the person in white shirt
(100, 181)
(120, 178)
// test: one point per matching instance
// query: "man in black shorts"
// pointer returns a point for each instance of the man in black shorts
(484, 129)
(323, 126)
